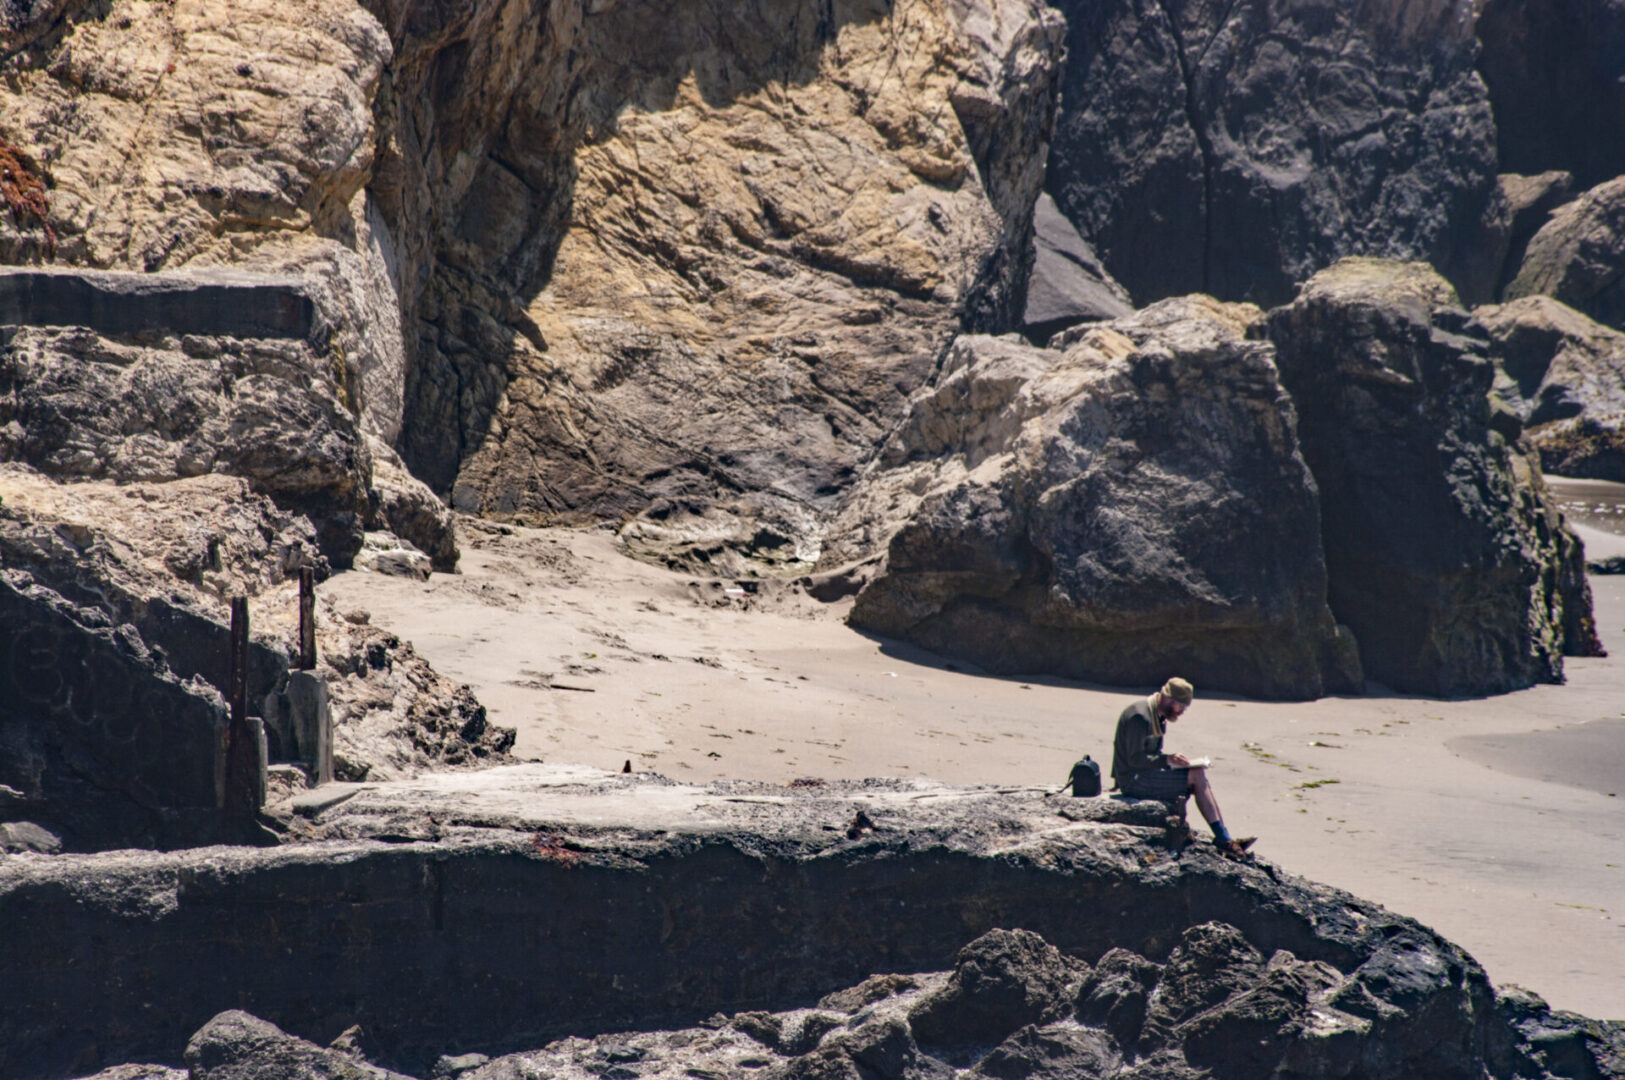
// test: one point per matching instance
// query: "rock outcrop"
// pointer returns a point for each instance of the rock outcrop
(572, 266)
(128, 377)
(155, 565)
(1067, 285)
(100, 744)
(1128, 503)
(1563, 375)
(1578, 256)
(1236, 148)
(237, 1046)
(1530, 202)
(678, 921)
(202, 134)
(1554, 71)
(1443, 552)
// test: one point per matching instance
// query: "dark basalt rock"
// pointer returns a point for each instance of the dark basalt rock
(1443, 552)
(1554, 69)
(1068, 285)
(98, 740)
(238, 1046)
(1235, 147)
(1252, 1020)
(1003, 980)
(1113, 995)
(1058, 1051)
(523, 924)
(1211, 963)
(1130, 503)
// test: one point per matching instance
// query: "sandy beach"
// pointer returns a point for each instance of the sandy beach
(1500, 821)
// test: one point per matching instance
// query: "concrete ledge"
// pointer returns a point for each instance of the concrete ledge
(550, 903)
(214, 303)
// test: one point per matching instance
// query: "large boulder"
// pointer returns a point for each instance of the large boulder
(1563, 375)
(1578, 256)
(1131, 504)
(1530, 201)
(1002, 981)
(1444, 553)
(239, 1046)
(1234, 147)
(1556, 76)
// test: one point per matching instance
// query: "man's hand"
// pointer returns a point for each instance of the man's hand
(1179, 761)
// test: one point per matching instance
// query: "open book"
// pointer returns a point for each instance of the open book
(1201, 762)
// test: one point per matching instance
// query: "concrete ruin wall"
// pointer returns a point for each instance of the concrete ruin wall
(96, 736)
(509, 939)
(220, 303)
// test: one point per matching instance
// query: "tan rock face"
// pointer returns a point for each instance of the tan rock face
(726, 251)
(199, 133)
(193, 130)
(577, 256)
(1563, 375)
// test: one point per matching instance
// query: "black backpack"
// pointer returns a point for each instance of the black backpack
(1084, 779)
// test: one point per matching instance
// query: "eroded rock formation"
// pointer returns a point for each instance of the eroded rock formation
(1234, 148)
(1564, 377)
(154, 566)
(1443, 552)
(792, 210)
(1579, 256)
(1129, 502)
(729, 928)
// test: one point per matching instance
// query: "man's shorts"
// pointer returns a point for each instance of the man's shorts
(1157, 784)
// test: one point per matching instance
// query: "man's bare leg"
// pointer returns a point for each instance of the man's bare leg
(1206, 801)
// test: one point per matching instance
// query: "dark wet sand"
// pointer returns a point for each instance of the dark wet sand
(1590, 755)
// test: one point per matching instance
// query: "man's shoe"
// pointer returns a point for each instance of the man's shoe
(1237, 849)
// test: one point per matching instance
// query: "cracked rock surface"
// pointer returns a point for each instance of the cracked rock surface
(1235, 147)
(970, 930)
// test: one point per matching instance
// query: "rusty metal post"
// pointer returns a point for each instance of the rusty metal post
(307, 618)
(239, 661)
(242, 758)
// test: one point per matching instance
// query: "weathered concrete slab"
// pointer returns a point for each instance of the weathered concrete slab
(312, 803)
(209, 302)
(498, 910)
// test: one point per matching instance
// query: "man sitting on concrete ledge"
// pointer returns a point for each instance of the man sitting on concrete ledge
(1143, 771)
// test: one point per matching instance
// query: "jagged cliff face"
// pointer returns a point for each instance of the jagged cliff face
(545, 226)
(1234, 147)
(704, 253)
(690, 265)
(196, 134)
